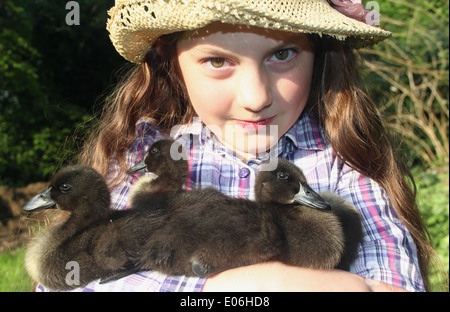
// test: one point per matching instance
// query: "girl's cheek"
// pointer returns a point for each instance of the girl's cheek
(210, 109)
(213, 98)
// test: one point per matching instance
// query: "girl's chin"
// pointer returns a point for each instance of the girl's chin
(248, 145)
(246, 141)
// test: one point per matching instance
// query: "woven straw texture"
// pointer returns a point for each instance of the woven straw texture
(135, 25)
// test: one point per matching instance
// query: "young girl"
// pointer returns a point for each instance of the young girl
(241, 82)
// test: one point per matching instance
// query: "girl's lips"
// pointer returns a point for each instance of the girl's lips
(255, 124)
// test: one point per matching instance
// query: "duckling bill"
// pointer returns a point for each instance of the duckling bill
(41, 201)
(306, 196)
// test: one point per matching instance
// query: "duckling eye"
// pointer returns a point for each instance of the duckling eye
(65, 188)
(154, 150)
(282, 175)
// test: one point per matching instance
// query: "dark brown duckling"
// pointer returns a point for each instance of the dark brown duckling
(274, 186)
(166, 160)
(95, 240)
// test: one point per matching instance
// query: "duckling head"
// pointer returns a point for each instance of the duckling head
(286, 184)
(72, 189)
(163, 157)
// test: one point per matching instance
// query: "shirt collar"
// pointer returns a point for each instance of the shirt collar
(306, 134)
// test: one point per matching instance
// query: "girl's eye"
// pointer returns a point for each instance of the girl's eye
(283, 55)
(217, 62)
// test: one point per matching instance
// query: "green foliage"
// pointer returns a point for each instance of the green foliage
(51, 75)
(433, 202)
(33, 155)
(408, 75)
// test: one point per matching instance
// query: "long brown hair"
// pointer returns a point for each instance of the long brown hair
(356, 131)
(152, 89)
(352, 122)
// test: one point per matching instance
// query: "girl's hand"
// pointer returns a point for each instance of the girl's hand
(276, 276)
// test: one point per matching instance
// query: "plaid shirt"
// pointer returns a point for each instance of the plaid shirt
(387, 253)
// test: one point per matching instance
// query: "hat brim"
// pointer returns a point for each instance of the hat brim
(135, 25)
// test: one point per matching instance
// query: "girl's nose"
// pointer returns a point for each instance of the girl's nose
(253, 89)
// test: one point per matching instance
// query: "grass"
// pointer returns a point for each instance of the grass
(13, 277)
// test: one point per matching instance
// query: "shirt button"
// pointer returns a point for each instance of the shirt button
(244, 172)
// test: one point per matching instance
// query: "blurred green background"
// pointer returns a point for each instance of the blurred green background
(54, 77)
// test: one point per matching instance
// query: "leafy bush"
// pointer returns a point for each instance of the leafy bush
(51, 75)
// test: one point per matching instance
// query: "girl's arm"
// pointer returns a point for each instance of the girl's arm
(276, 276)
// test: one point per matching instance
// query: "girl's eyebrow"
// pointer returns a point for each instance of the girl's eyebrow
(213, 49)
(300, 40)
(284, 45)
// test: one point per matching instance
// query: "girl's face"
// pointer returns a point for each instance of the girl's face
(248, 85)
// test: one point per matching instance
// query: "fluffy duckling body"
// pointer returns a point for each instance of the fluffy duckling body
(351, 223)
(94, 240)
(208, 232)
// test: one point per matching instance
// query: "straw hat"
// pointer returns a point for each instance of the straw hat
(135, 25)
